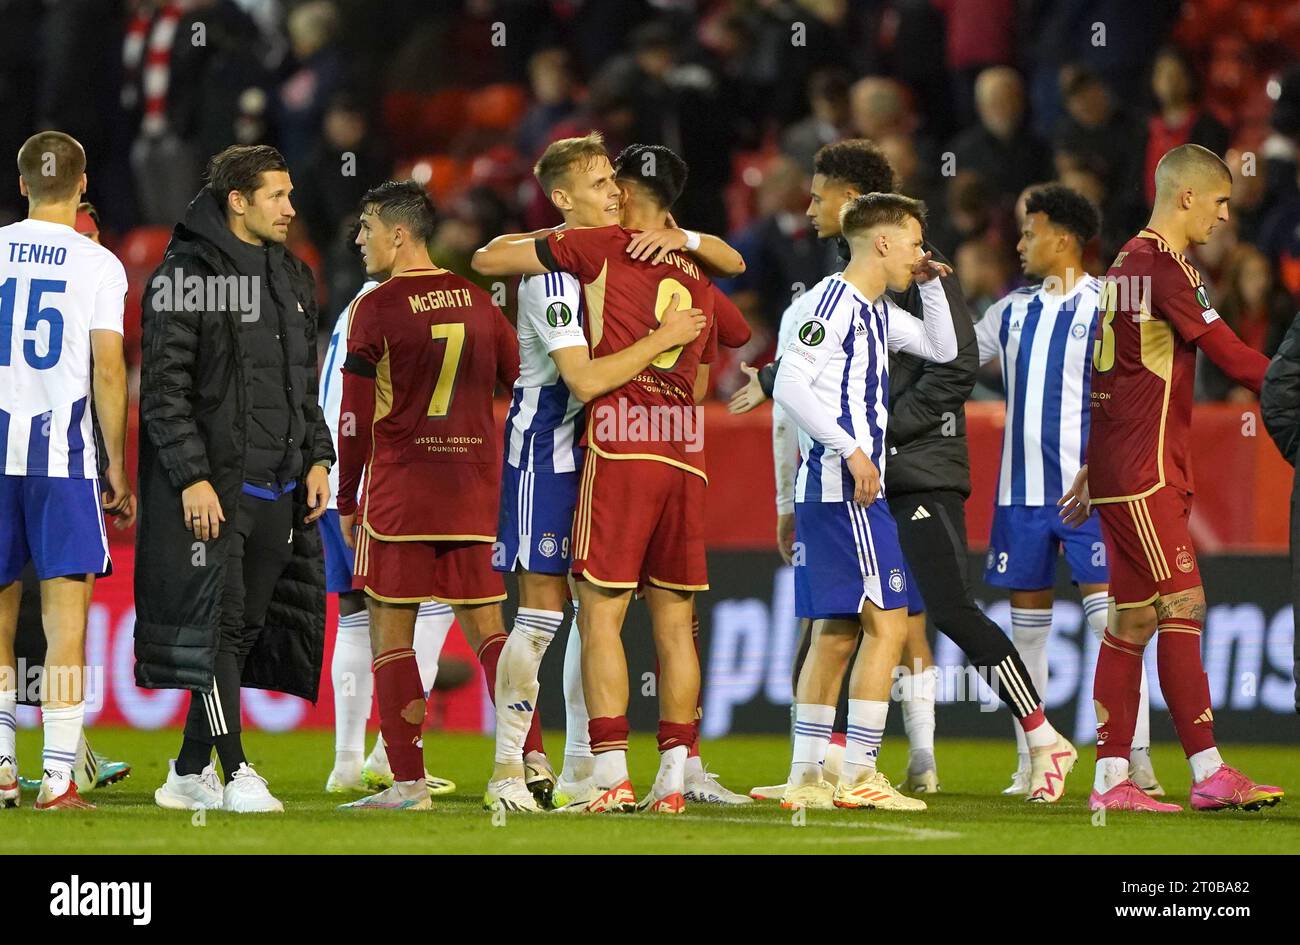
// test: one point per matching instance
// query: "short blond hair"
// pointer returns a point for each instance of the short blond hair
(561, 157)
(867, 211)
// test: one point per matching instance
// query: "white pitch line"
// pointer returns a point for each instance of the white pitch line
(911, 833)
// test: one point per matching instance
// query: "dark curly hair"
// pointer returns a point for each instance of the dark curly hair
(1066, 208)
(655, 168)
(859, 163)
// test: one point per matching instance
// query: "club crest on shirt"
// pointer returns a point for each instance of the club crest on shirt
(1079, 329)
(548, 546)
(558, 315)
(1184, 560)
(896, 581)
(812, 333)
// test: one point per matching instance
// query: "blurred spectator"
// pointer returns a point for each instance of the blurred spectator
(551, 78)
(980, 33)
(1179, 118)
(1099, 137)
(881, 106)
(1002, 147)
(1254, 306)
(985, 273)
(783, 256)
(328, 186)
(317, 75)
(829, 121)
(915, 179)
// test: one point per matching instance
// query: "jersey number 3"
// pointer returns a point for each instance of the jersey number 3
(35, 315)
(454, 335)
(1103, 349)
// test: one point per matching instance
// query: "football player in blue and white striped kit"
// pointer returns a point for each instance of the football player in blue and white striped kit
(542, 463)
(1043, 335)
(834, 383)
(61, 315)
(350, 667)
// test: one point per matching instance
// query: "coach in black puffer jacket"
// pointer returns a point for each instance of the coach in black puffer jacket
(1279, 403)
(202, 383)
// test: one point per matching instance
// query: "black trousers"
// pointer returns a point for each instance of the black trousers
(261, 545)
(932, 532)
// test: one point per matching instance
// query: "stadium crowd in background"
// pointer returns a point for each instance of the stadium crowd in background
(972, 101)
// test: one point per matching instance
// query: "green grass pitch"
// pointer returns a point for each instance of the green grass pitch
(969, 816)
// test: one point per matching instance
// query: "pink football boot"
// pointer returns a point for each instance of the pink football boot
(1128, 795)
(1228, 788)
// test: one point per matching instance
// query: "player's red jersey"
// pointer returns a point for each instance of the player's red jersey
(625, 300)
(1152, 309)
(436, 347)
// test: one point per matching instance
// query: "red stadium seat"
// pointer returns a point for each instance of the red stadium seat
(440, 174)
(419, 121)
(143, 247)
(497, 107)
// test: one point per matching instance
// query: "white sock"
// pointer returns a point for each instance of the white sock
(1042, 737)
(354, 683)
(863, 737)
(1205, 763)
(1110, 772)
(9, 724)
(578, 763)
(671, 778)
(432, 622)
(517, 685)
(62, 726)
(1030, 628)
(812, 731)
(918, 711)
(695, 768)
(610, 768)
(1142, 724)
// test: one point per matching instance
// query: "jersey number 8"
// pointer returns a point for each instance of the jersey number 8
(667, 289)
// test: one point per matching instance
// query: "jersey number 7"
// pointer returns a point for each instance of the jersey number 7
(454, 335)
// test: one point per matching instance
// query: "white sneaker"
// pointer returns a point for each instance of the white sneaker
(1144, 774)
(202, 791)
(574, 792)
(403, 795)
(247, 794)
(816, 795)
(1019, 783)
(703, 787)
(345, 781)
(376, 772)
(540, 778)
(511, 795)
(10, 792)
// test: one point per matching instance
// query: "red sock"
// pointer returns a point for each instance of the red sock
(401, 711)
(488, 655)
(675, 734)
(608, 733)
(533, 742)
(839, 738)
(1116, 691)
(694, 750)
(1184, 683)
(1034, 719)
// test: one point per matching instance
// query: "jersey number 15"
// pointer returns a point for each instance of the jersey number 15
(35, 316)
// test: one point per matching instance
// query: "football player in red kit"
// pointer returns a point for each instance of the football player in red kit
(1154, 314)
(639, 521)
(426, 349)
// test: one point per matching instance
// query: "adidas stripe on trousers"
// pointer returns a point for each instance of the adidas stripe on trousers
(934, 545)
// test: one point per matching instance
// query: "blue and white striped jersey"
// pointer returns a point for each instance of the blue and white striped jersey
(1045, 342)
(56, 287)
(834, 377)
(330, 390)
(544, 425)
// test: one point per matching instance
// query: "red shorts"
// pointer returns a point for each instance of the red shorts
(639, 522)
(1149, 549)
(405, 572)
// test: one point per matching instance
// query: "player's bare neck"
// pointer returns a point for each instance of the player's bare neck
(1062, 279)
(867, 278)
(408, 258)
(65, 213)
(1168, 228)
